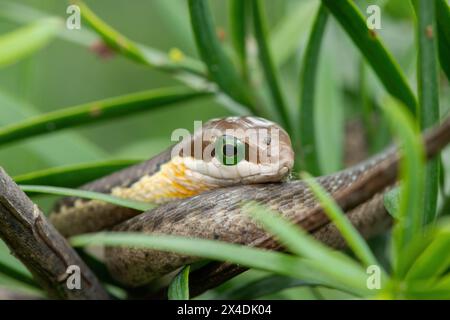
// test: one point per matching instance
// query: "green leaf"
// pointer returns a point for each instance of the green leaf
(354, 240)
(428, 87)
(334, 263)
(20, 287)
(288, 34)
(329, 117)
(423, 290)
(27, 40)
(17, 275)
(276, 262)
(412, 167)
(238, 17)
(179, 286)
(372, 48)
(132, 50)
(262, 287)
(368, 110)
(219, 65)
(270, 72)
(113, 38)
(96, 111)
(74, 175)
(434, 260)
(187, 70)
(137, 205)
(392, 202)
(34, 155)
(443, 28)
(13, 272)
(308, 149)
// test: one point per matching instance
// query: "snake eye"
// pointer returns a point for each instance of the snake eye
(229, 150)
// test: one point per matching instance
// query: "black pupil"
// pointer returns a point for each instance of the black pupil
(229, 150)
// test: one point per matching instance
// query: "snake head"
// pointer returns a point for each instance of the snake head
(236, 150)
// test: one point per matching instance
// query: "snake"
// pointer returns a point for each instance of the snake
(200, 185)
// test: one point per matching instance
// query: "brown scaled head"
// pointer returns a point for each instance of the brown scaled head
(236, 150)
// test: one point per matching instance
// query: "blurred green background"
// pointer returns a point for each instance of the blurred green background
(68, 72)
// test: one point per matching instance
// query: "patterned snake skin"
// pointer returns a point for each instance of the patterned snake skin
(217, 214)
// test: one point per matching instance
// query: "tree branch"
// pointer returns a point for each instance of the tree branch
(40, 247)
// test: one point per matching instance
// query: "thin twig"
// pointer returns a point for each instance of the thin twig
(40, 247)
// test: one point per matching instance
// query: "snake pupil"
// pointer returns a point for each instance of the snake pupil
(229, 150)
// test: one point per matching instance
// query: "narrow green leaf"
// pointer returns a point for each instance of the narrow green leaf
(31, 155)
(412, 169)
(17, 275)
(392, 202)
(423, 290)
(219, 65)
(20, 287)
(74, 175)
(336, 264)
(291, 30)
(270, 72)
(96, 111)
(137, 52)
(111, 36)
(307, 136)
(137, 205)
(354, 240)
(368, 110)
(179, 286)
(276, 262)
(238, 19)
(262, 287)
(434, 260)
(382, 62)
(428, 87)
(25, 41)
(329, 116)
(187, 70)
(443, 28)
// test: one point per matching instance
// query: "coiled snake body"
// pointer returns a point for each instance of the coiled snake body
(235, 165)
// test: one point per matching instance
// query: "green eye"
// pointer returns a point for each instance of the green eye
(229, 150)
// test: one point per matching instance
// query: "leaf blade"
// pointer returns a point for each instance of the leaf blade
(179, 286)
(26, 40)
(265, 57)
(96, 111)
(73, 176)
(412, 174)
(428, 87)
(354, 240)
(443, 27)
(219, 65)
(251, 257)
(374, 51)
(137, 205)
(308, 74)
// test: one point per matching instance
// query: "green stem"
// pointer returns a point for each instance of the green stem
(370, 45)
(443, 24)
(94, 112)
(220, 67)
(268, 65)
(238, 32)
(309, 152)
(428, 87)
